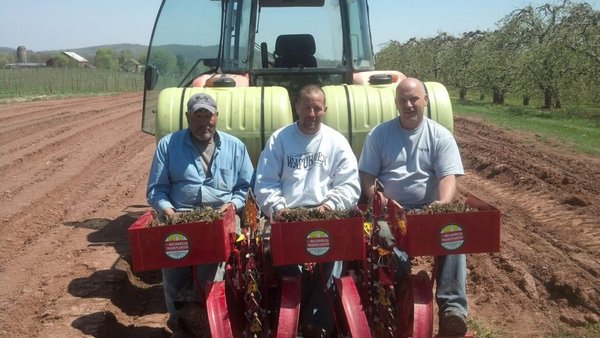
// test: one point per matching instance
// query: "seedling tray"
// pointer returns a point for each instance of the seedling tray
(454, 233)
(317, 241)
(179, 245)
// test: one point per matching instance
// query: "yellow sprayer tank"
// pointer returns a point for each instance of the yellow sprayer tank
(250, 113)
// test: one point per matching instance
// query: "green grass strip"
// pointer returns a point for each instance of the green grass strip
(578, 129)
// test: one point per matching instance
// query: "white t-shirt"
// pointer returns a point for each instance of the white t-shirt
(410, 163)
(300, 170)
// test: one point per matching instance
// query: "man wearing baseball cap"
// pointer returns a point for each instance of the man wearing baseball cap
(195, 167)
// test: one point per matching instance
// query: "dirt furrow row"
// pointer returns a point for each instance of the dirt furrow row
(57, 158)
(36, 109)
(46, 212)
(534, 262)
(17, 141)
(91, 259)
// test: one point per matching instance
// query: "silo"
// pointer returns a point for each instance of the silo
(21, 54)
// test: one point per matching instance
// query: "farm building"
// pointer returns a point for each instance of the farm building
(82, 61)
(76, 58)
(22, 60)
(132, 66)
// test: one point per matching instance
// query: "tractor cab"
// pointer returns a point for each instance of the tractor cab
(241, 43)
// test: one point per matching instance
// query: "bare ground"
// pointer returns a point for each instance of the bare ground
(73, 176)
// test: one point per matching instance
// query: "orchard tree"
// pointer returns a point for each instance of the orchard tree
(417, 57)
(579, 33)
(457, 61)
(495, 65)
(431, 56)
(393, 55)
(540, 33)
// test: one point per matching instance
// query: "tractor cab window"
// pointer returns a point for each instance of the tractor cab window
(309, 36)
(184, 43)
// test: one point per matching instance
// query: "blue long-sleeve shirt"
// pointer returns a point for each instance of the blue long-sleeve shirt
(177, 179)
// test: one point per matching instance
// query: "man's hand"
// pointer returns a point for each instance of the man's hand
(170, 212)
(170, 216)
(323, 207)
(279, 214)
(225, 206)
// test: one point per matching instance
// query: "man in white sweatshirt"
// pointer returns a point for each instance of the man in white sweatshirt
(308, 164)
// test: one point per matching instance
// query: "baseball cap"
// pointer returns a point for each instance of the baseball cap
(201, 100)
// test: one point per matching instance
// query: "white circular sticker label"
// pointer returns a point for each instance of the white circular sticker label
(452, 237)
(317, 243)
(177, 245)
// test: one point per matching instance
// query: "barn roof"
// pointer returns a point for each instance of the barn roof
(76, 56)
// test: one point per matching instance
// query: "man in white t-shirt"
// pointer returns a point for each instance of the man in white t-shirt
(417, 161)
(308, 164)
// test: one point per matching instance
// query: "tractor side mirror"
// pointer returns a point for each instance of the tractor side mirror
(150, 77)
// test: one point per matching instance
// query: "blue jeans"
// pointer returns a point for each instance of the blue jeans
(317, 295)
(180, 286)
(451, 291)
(451, 277)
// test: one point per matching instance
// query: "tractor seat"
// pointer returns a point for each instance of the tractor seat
(295, 50)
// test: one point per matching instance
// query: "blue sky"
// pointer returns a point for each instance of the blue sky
(66, 24)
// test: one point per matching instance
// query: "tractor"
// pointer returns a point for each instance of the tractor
(253, 56)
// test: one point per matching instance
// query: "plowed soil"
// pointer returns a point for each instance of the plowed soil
(73, 177)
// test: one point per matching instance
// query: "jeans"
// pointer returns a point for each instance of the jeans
(180, 286)
(451, 292)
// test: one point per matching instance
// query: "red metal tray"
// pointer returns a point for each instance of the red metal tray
(180, 244)
(454, 233)
(317, 241)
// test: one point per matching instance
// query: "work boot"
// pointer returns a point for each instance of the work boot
(452, 323)
(312, 331)
(177, 330)
(181, 334)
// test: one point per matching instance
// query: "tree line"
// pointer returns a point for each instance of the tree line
(551, 52)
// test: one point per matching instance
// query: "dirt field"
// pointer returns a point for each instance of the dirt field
(73, 177)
